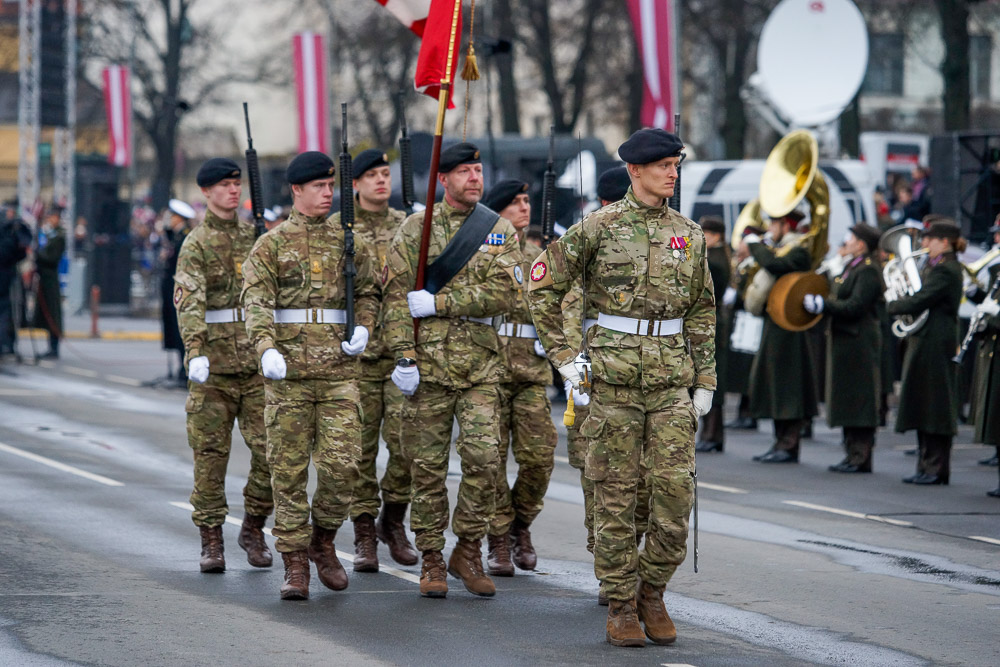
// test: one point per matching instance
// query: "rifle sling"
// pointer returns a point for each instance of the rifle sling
(460, 249)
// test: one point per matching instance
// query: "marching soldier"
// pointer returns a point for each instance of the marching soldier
(294, 295)
(453, 370)
(222, 367)
(781, 378)
(853, 352)
(381, 401)
(654, 342)
(713, 434)
(927, 361)
(525, 412)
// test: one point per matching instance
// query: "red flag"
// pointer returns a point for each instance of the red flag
(433, 58)
(411, 13)
(309, 51)
(118, 107)
(655, 32)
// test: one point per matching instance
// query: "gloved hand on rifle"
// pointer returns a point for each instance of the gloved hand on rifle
(989, 307)
(198, 369)
(358, 342)
(579, 398)
(272, 364)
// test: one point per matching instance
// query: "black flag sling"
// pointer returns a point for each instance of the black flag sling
(460, 249)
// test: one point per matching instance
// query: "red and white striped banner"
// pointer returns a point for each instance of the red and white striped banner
(655, 27)
(118, 106)
(411, 13)
(432, 61)
(311, 90)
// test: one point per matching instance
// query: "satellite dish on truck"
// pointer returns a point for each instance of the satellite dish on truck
(811, 61)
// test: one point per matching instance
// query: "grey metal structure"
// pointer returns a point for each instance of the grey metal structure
(64, 142)
(28, 112)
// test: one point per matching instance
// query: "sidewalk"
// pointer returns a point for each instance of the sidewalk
(108, 328)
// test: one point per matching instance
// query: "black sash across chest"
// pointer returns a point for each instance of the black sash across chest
(460, 249)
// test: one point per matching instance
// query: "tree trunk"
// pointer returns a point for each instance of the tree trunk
(636, 81)
(850, 129)
(734, 127)
(955, 66)
(509, 112)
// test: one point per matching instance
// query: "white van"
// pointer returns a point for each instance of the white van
(723, 188)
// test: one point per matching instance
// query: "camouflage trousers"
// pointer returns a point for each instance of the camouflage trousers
(381, 406)
(638, 435)
(317, 419)
(212, 408)
(428, 419)
(577, 447)
(526, 428)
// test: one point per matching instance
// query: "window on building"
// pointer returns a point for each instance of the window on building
(980, 53)
(885, 65)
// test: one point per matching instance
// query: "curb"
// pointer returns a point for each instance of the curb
(104, 335)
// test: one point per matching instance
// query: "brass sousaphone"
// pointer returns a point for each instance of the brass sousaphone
(791, 174)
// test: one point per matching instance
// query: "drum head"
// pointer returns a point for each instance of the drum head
(784, 304)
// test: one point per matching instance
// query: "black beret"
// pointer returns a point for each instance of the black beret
(943, 228)
(367, 159)
(868, 234)
(503, 193)
(613, 184)
(309, 166)
(712, 223)
(461, 153)
(650, 145)
(217, 169)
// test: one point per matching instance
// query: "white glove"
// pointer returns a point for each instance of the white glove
(971, 290)
(571, 375)
(813, 303)
(751, 238)
(406, 379)
(702, 401)
(357, 343)
(198, 369)
(421, 303)
(988, 306)
(729, 296)
(539, 350)
(273, 364)
(579, 398)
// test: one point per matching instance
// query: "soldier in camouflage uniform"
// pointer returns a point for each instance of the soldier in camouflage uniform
(222, 368)
(643, 260)
(294, 295)
(381, 400)
(525, 414)
(452, 371)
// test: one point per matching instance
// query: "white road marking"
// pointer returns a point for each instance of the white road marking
(984, 539)
(46, 364)
(400, 574)
(719, 487)
(60, 466)
(132, 382)
(5, 391)
(85, 372)
(856, 515)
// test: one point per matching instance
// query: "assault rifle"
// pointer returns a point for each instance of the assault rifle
(253, 176)
(405, 161)
(549, 193)
(347, 224)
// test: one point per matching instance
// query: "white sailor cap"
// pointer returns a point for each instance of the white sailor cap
(182, 208)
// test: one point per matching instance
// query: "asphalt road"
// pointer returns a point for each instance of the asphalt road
(99, 561)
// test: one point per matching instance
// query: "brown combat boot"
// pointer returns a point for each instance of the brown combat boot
(392, 533)
(466, 563)
(251, 540)
(365, 548)
(498, 561)
(652, 613)
(623, 624)
(433, 578)
(212, 550)
(523, 551)
(322, 552)
(296, 586)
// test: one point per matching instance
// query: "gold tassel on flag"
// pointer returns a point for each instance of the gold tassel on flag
(471, 70)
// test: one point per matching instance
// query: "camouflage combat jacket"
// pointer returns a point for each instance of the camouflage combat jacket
(377, 228)
(523, 364)
(452, 351)
(642, 262)
(209, 277)
(300, 264)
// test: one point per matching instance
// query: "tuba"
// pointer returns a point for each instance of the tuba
(901, 275)
(791, 174)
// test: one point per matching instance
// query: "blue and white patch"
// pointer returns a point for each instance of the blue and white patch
(496, 238)
(518, 275)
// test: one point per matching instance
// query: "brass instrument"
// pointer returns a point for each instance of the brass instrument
(791, 174)
(901, 275)
(972, 269)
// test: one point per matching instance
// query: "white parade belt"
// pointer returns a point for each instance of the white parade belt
(589, 322)
(482, 320)
(310, 316)
(224, 316)
(630, 325)
(517, 330)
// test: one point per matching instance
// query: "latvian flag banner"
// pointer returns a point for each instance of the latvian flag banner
(433, 58)
(654, 24)
(118, 106)
(309, 50)
(411, 13)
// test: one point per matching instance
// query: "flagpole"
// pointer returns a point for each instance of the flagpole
(425, 237)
